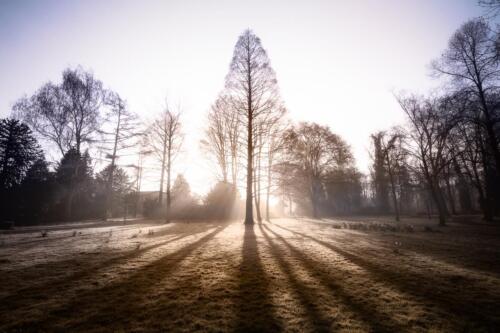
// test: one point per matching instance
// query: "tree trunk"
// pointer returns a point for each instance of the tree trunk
(249, 198)
(257, 182)
(492, 139)
(268, 190)
(493, 144)
(393, 188)
(169, 164)
(313, 201)
(395, 202)
(438, 200)
(451, 197)
(486, 200)
(109, 183)
(249, 208)
(163, 162)
(463, 189)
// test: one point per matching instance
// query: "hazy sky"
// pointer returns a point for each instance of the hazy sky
(337, 62)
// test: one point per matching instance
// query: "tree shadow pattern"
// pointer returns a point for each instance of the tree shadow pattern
(183, 290)
(253, 305)
(445, 297)
(115, 306)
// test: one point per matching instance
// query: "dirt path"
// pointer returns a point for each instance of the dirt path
(288, 275)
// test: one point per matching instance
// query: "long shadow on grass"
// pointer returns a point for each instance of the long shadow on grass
(254, 307)
(316, 318)
(368, 313)
(481, 313)
(117, 305)
(30, 274)
(28, 296)
(35, 291)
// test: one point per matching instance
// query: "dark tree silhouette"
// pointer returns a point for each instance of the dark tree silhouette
(74, 176)
(36, 193)
(430, 125)
(18, 151)
(67, 114)
(389, 156)
(492, 7)
(379, 173)
(120, 188)
(252, 85)
(471, 61)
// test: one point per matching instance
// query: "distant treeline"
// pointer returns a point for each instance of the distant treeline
(444, 160)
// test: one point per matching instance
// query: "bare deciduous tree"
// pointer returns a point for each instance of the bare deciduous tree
(471, 61)
(430, 126)
(311, 153)
(124, 128)
(252, 85)
(165, 139)
(222, 138)
(67, 114)
(392, 154)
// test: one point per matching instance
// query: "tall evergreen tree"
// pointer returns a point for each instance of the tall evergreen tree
(36, 193)
(74, 176)
(18, 151)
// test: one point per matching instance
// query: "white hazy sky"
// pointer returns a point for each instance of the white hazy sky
(337, 62)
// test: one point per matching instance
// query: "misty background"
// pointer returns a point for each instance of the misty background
(325, 53)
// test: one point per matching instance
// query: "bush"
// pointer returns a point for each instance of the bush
(151, 208)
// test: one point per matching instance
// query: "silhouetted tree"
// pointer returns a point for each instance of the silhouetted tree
(267, 135)
(36, 193)
(471, 61)
(124, 129)
(389, 156)
(430, 125)
(119, 190)
(222, 138)
(74, 177)
(379, 173)
(165, 139)
(19, 150)
(67, 114)
(312, 152)
(252, 85)
(492, 7)
(471, 160)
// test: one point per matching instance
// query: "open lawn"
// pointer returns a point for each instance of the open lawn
(295, 275)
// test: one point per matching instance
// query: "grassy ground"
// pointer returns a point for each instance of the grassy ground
(294, 275)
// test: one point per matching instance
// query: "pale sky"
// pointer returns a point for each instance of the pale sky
(337, 62)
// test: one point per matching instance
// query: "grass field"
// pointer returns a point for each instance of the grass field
(294, 275)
